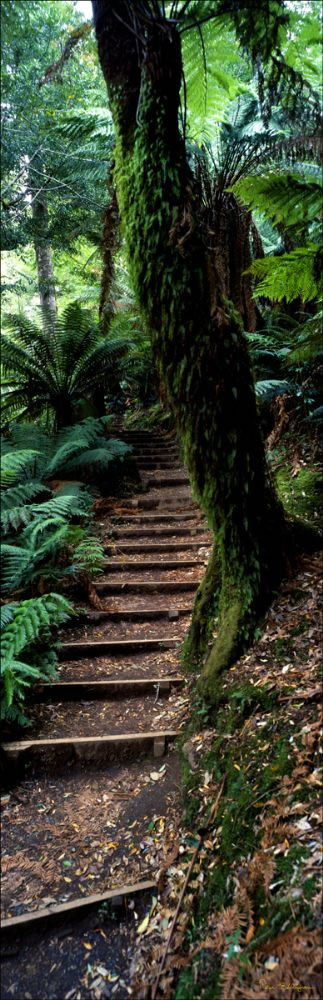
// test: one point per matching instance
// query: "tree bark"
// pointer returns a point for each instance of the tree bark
(200, 349)
(44, 262)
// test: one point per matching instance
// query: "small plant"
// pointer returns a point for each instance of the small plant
(36, 519)
(26, 630)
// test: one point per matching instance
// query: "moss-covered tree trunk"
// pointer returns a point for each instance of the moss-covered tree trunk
(200, 349)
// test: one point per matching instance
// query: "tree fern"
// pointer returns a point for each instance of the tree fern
(56, 376)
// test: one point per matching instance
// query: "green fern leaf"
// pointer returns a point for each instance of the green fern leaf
(282, 197)
(291, 276)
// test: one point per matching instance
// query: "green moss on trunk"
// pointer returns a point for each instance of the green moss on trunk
(198, 342)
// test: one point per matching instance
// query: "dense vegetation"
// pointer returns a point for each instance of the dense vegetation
(161, 267)
(201, 311)
(189, 247)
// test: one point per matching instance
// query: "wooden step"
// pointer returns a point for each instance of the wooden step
(126, 615)
(150, 564)
(156, 740)
(154, 518)
(149, 464)
(75, 907)
(163, 532)
(166, 502)
(145, 586)
(85, 690)
(159, 481)
(141, 548)
(106, 647)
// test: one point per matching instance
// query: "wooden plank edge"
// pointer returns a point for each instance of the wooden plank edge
(94, 617)
(55, 910)
(108, 687)
(118, 645)
(17, 746)
(160, 586)
(122, 684)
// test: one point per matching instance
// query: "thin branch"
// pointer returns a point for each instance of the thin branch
(22, 171)
(197, 23)
(128, 26)
(49, 177)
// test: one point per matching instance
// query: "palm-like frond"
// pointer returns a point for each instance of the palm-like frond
(16, 466)
(292, 276)
(208, 54)
(283, 197)
(56, 373)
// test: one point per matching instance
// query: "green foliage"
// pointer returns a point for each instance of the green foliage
(283, 197)
(292, 276)
(36, 536)
(210, 54)
(23, 625)
(89, 556)
(290, 200)
(267, 389)
(301, 494)
(55, 375)
(308, 344)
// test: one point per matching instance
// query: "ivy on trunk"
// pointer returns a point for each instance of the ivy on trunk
(197, 335)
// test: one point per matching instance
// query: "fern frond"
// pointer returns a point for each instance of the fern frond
(30, 622)
(267, 389)
(209, 52)
(63, 507)
(309, 341)
(19, 496)
(15, 562)
(282, 197)
(291, 276)
(29, 618)
(16, 465)
(6, 615)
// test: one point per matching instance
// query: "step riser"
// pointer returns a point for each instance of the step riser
(124, 616)
(76, 650)
(57, 913)
(85, 750)
(157, 466)
(154, 518)
(87, 690)
(124, 533)
(148, 587)
(167, 503)
(166, 481)
(135, 548)
(138, 567)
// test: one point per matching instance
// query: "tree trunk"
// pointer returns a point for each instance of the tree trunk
(44, 262)
(109, 245)
(199, 345)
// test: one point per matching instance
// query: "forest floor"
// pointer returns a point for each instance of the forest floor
(88, 818)
(227, 827)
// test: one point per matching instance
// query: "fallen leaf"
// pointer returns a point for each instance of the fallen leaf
(144, 924)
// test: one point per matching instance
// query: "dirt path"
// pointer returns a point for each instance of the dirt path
(98, 771)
